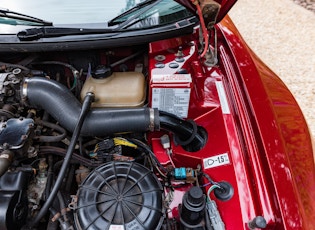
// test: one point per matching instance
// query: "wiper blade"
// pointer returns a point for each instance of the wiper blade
(49, 32)
(140, 5)
(23, 17)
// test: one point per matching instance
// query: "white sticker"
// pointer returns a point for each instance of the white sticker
(215, 161)
(222, 96)
(171, 100)
(116, 227)
(171, 78)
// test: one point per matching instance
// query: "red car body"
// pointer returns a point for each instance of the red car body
(278, 140)
(257, 138)
(278, 151)
(265, 134)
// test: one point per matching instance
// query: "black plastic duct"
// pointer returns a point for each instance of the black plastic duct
(64, 107)
(187, 134)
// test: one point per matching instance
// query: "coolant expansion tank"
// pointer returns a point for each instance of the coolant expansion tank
(121, 89)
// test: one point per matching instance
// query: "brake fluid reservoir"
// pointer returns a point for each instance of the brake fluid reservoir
(121, 89)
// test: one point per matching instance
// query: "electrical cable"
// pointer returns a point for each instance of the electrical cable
(213, 187)
(149, 151)
(203, 28)
(75, 72)
(14, 66)
(210, 180)
(124, 142)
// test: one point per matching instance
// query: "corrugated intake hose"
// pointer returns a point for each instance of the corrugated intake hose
(187, 134)
(64, 107)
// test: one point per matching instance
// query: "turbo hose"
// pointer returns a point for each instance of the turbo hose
(64, 107)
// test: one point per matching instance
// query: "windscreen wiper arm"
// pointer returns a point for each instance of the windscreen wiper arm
(23, 17)
(140, 5)
(49, 32)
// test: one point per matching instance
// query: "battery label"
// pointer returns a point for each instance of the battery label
(172, 100)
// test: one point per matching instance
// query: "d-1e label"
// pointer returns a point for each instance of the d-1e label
(215, 161)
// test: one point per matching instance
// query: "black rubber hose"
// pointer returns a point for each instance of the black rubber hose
(84, 111)
(187, 134)
(76, 158)
(62, 204)
(62, 105)
(53, 126)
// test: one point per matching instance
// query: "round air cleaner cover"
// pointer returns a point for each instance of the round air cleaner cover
(119, 195)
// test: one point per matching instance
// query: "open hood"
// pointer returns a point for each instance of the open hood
(225, 6)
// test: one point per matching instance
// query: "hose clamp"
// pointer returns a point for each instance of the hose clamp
(24, 88)
(151, 125)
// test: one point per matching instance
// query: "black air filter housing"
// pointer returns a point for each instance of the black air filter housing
(120, 195)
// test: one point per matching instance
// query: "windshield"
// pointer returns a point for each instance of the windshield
(71, 12)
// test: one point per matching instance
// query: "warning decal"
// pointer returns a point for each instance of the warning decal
(172, 100)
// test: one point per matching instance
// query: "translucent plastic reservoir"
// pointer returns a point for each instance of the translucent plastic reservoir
(121, 89)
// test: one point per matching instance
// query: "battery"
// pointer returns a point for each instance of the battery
(171, 93)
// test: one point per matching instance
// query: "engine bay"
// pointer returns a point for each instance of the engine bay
(122, 138)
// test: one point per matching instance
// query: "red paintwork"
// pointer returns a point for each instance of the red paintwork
(285, 148)
(265, 134)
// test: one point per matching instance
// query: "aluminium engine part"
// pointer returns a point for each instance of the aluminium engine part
(14, 132)
(120, 195)
(9, 86)
(7, 80)
(37, 186)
